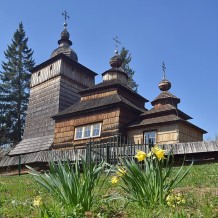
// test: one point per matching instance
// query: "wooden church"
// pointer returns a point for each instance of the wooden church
(66, 108)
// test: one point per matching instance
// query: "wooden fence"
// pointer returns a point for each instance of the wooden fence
(111, 151)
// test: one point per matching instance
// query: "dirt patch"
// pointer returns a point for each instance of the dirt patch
(200, 191)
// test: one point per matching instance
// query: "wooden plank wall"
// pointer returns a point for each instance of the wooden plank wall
(75, 74)
(65, 129)
(46, 73)
(166, 134)
(189, 134)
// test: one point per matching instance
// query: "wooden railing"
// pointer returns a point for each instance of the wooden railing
(114, 149)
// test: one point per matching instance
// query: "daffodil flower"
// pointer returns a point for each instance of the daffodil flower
(114, 180)
(120, 171)
(37, 201)
(140, 155)
(158, 152)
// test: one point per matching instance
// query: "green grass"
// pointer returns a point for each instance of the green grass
(200, 189)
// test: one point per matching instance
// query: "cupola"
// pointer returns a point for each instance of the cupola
(64, 44)
(115, 72)
(165, 97)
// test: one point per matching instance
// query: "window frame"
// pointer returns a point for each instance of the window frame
(76, 132)
(84, 128)
(155, 137)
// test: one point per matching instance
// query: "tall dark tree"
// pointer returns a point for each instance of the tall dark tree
(14, 87)
(126, 59)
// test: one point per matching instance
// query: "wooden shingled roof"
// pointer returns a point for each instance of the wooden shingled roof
(43, 157)
(95, 104)
(32, 145)
(164, 95)
(109, 84)
(165, 109)
(162, 115)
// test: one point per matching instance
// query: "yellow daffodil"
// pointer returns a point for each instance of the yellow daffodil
(155, 149)
(159, 153)
(120, 171)
(37, 201)
(114, 180)
(140, 155)
(175, 199)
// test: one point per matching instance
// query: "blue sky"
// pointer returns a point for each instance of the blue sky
(182, 33)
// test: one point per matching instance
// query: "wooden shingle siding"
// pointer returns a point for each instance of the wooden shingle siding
(54, 87)
(65, 129)
(43, 103)
(127, 115)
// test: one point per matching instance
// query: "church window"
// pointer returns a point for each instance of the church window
(150, 137)
(39, 73)
(51, 67)
(79, 132)
(96, 129)
(88, 131)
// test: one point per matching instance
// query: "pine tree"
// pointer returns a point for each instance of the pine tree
(126, 59)
(14, 87)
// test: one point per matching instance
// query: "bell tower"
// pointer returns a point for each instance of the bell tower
(54, 86)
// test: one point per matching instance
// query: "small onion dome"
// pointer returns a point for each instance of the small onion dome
(65, 36)
(116, 72)
(164, 85)
(64, 45)
(115, 61)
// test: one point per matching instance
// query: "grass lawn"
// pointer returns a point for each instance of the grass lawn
(200, 189)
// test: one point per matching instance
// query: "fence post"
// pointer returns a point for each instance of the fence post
(150, 144)
(19, 166)
(107, 153)
(88, 152)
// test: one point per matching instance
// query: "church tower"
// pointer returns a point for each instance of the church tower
(54, 86)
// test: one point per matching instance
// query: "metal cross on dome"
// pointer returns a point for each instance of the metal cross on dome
(116, 43)
(66, 16)
(164, 70)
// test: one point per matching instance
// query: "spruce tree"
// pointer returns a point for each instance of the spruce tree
(126, 59)
(14, 87)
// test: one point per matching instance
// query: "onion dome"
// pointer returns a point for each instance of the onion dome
(64, 45)
(116, 61)
(116, 72)
(65, 35)
(164, 85)
(165, 97)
